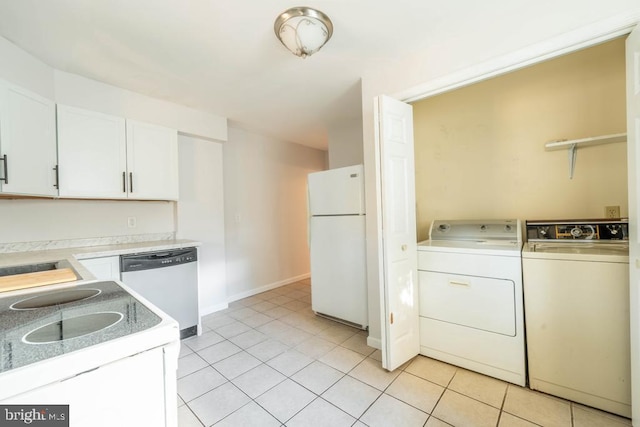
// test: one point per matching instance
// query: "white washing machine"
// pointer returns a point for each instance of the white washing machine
(576, 287)
(471, 308)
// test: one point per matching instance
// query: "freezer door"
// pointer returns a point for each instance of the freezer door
(338, 268)
(337, 191)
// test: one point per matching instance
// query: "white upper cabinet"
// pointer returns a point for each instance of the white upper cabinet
(108, 157)
(27, 143)
(92, 153)
(152, 160)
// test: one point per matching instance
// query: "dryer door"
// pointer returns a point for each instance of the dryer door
(476, 302)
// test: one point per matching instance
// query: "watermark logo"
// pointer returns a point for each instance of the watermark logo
(34, 415)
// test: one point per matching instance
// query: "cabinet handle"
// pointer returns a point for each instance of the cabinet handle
(124, 182)
(57, 170)
(457, 283)
(130, 182)
(6, 169)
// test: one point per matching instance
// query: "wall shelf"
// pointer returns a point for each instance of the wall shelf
(592, 140)
(573, 144)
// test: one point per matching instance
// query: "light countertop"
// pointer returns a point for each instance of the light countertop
(73, 255)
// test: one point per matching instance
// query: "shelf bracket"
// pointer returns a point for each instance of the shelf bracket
(572, 146)
(573, 152)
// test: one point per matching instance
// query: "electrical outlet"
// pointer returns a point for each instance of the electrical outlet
(612, 211)
(131, 222)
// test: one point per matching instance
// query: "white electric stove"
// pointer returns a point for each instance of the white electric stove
(98, 347)
(471, 300)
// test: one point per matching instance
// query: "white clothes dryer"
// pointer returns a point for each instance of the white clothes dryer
(471, 300)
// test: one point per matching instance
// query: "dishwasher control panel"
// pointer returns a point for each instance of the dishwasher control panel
(151, 260)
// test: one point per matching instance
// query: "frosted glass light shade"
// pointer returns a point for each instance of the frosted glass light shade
(303, 30)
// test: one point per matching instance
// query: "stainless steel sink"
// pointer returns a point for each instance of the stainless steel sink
(34, 268)
(31, 268)
(73, 327)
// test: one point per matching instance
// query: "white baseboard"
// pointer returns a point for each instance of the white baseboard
(213, 308)
(374, 342)
(268, 287)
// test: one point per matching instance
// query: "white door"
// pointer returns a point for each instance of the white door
(28, 140)
(92, 154)
(152, 159)
(633, 147)
(399, 291)
(126, 393)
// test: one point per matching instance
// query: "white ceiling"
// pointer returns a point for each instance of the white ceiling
(222, 56)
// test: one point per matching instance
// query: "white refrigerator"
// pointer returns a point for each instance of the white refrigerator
(337, 244)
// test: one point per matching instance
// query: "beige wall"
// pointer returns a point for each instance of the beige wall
(265, 211)
(479, 150)
(345, 143)
(200, 216)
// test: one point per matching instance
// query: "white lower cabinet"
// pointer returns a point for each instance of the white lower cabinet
(128, 393)
(104, 268)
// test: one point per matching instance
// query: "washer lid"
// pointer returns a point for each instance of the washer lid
(506, 248)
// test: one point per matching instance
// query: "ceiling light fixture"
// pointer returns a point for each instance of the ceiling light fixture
(303, 30)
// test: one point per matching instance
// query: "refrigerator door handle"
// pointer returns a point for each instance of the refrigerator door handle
(308, 219)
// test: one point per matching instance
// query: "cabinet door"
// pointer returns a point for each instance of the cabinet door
(105, 268)
(127, 392)
(92, 154)
(152, 157)
(28, 140)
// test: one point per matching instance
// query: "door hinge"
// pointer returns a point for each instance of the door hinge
(391, 318)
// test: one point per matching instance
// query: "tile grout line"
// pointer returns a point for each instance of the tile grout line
(504, 399)
(264, 363)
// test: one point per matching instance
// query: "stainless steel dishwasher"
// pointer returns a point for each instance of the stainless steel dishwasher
(169, 280)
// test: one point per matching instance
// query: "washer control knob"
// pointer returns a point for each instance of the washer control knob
(507, 227)
(576, 232)
(483, 227)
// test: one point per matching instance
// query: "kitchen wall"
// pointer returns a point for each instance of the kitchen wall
(265, 211)
(479, 150)
(25, 70)
(200, 215)
(36, 220)
(345, 143)
(78, 91)
(344, 137)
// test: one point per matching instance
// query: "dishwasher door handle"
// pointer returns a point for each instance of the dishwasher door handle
(167, 255)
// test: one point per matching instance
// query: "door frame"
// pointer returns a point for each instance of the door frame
(572, 41)
(563, 44)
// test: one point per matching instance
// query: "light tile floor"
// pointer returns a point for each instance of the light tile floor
(267, 360)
